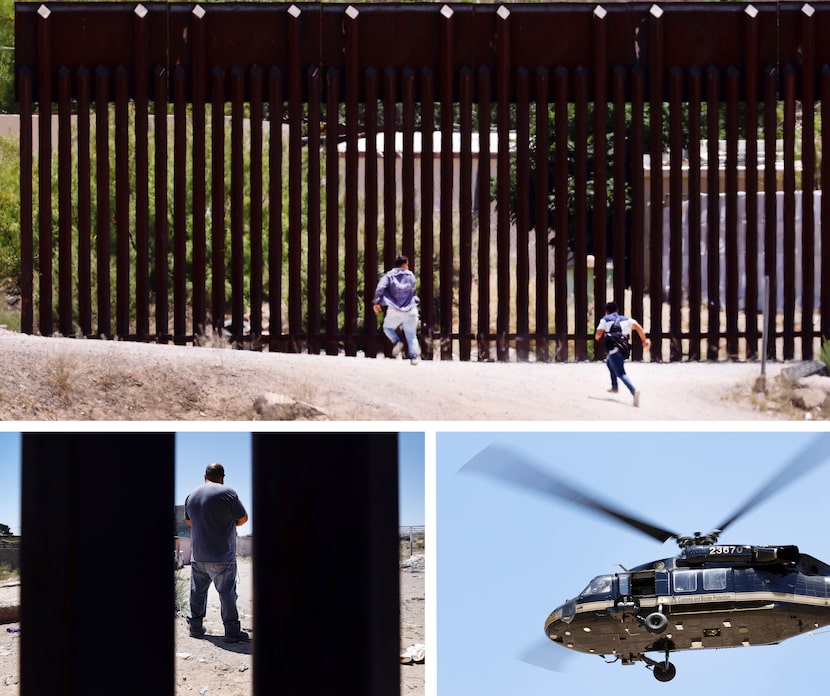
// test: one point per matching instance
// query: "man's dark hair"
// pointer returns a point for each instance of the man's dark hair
(401, 260)
(215, 472)
(610, 307)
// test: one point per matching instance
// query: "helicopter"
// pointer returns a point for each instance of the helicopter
(709, 595)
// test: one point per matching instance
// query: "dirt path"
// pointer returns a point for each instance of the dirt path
(76, 379)
(210, 662)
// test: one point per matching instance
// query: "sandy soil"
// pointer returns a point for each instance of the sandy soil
(227, 669)
(80, 380)
(9, 639)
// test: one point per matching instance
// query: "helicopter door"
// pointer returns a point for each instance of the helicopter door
(643, 584)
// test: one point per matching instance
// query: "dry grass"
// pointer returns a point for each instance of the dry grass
(70, 385)
(777, 396)
(182, 594)
(6, 573)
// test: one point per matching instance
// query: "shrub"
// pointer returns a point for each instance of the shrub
(9, 212)
(824, 354)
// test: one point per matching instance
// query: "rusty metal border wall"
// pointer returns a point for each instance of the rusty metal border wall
(400, 71)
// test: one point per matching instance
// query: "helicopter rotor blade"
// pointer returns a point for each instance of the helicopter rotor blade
(804, 462)
(515, 468)
(546, 655)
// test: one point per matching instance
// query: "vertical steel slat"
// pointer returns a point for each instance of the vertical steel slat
(771, 205)
(695, 260)
(522, 85)
(426, 273)
(542, 184)
(408, 167)
(619, 243)
(295, 172)
(332, 213)
(350, 265)
(560, 188)
(637, 206)
(199, 193)
(162, 227)
(446, 233)
(731, 231)
(503, 79)
(465, 214)
(655, 110)
(676, 214)
(275, 206)
(179, 206)
(752, 63)
(304, 486)
(84, 206)
(484, 107)
(255, 232)
(713, 213)
(237, 85)
(373, 340)
(580, 274)
(102, 200)
(315, 279)
(141, 73)
(390, 208)
(27, 251)
(217, 197)
(65, 274)
(788, 75)
(824, 233)
(44, 91)
(808, 170)
(123, 188)
(69, 483)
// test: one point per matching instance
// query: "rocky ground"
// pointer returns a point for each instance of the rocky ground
(67, 379)
(227, 669)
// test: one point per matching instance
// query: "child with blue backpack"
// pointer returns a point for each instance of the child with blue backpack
(617, 328)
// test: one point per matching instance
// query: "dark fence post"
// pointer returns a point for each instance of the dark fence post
(96, 573)
(326, 516)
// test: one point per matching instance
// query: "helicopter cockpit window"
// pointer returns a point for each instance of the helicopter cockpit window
(599, 585)
(714, 579)
(685, 580)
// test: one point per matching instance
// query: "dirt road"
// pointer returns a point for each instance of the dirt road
(80, 380)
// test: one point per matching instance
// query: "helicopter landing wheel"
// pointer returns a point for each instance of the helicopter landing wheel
(664, 671)
(656, 622)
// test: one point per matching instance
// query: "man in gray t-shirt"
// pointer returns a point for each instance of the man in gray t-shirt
(214, 512)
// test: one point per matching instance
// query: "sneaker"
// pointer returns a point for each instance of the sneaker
(637, 397)
(415, 360)
(396, 349)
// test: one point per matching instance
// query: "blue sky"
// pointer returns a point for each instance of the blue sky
(195, 450)
(10, 480)
(507, 556)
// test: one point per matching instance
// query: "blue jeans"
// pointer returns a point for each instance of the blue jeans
(408, 321)
(223, 576)
(616, 366)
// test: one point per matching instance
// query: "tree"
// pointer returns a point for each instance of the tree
(7, 100)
